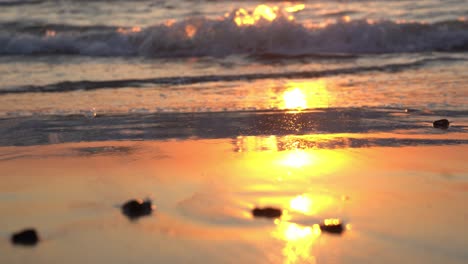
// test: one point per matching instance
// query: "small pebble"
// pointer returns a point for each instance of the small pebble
(137, 208)
(26, 237)
(442, 123)
(267, 212)
(90, 114)
(333, 226)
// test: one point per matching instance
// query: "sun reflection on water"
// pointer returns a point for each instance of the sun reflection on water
(190, 30)
(294, 8)
(303, 95)
(298, 154)
(294, 99)
(264, 12)
(126, 31)
(299, 241)
(301, 203)
(50, 33)
(311, 205)
(298, 159)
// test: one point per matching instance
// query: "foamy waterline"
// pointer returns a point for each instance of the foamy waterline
(47, 129)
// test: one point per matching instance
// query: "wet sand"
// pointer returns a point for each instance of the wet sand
(398, 204)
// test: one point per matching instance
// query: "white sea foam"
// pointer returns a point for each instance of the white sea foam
(211, 37)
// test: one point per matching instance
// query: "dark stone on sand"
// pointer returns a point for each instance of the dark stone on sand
(26, 237)
(335, 228)
(137, 208)
(267, 212)
(442, 123)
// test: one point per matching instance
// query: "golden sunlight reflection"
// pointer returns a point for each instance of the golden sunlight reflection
(301, 204)
(289, 159)
(299, 241)
(124, 31)
(50, 33)
(169, 22)
(247, 144)
(294, 8)
(264, 12)
(298, 158)
(303, 95)
(294, 99)
(310, 205)
(298, 153)
(243, 17)
(331, 221)
(190, 30)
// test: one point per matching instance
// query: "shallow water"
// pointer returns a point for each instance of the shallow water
(115, 57)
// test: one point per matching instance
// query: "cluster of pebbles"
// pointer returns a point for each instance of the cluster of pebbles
(134, 209)
(334, 226)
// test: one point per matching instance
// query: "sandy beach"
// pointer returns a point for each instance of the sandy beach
(398, 204)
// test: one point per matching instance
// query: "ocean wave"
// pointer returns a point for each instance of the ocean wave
(69, 86)
(222, 37)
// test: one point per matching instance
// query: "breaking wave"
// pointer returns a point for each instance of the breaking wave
(222, 37)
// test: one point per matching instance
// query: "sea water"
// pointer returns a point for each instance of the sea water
(399, 64)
